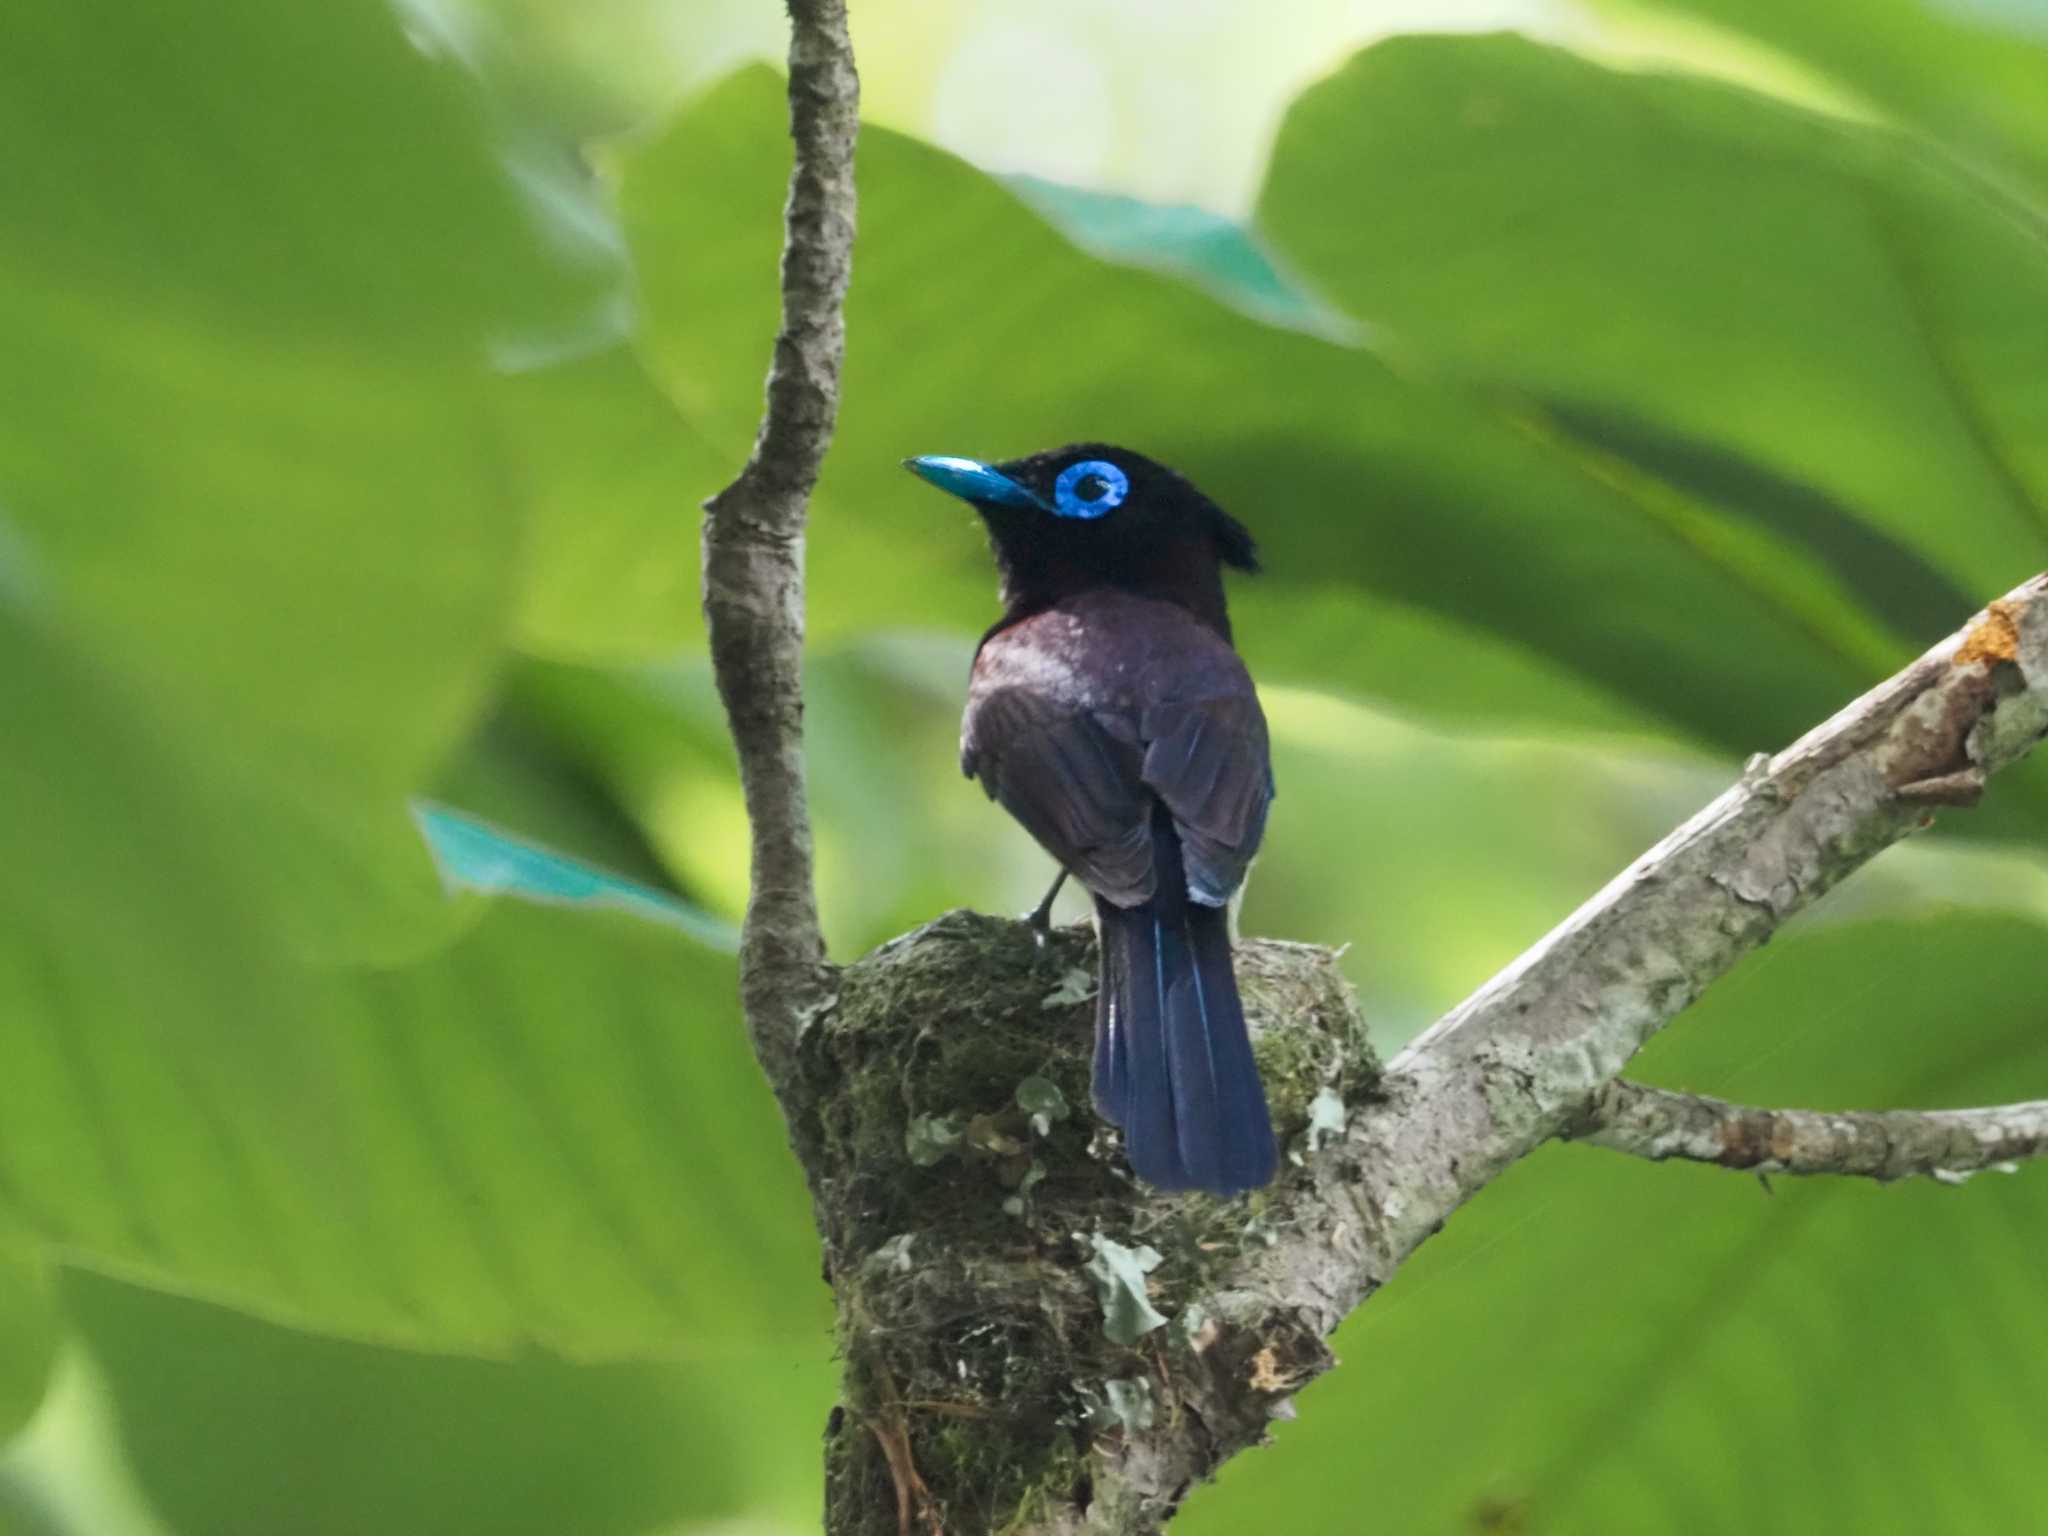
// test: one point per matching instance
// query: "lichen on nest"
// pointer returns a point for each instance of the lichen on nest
(961, 1212)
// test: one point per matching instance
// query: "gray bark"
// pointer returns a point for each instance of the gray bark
(1946, 1144)
(754, 545)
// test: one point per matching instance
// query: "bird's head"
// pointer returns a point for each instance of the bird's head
(1093, 515)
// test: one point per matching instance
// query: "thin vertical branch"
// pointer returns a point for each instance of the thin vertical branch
(754, 543)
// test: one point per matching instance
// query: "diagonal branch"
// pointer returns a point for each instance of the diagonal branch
(1889, 1144)
(754, 544)
(1520, 1061)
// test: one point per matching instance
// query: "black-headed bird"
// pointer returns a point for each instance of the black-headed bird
(1108, 712)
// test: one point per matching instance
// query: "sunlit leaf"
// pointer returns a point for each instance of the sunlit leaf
(246, 464)
(1767, 283)
(480, 857)
(612, 477)
(29, 1330)
(239, 1428)
(552, 1129)
(1974, 73)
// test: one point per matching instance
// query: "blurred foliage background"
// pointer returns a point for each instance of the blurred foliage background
(1614, 396)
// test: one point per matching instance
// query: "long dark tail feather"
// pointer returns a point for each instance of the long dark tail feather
(1173, 1062)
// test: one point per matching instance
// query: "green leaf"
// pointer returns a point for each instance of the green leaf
(613, 477)
(237, 1426)
(483, 858)
(931, 1139)
(1794, 345)
(1599, 1343)
(1969, 71)
(1814, 301)
(552, 1129)
(247, 467)
(1216, 252)
(1119, 1274)
(29, 1331)
(1041, 1099)
(551, 1132)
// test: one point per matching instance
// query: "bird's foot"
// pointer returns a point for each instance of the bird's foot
(1039, 918)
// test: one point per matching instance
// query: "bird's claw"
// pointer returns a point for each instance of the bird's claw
(1039, 918)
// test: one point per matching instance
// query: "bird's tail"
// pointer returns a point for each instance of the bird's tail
(1173, 1063)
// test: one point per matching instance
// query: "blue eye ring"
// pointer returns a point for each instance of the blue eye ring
(1067, 497)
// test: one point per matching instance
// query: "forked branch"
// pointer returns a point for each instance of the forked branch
(1526, 1056)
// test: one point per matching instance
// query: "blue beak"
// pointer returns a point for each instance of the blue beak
(972, 480)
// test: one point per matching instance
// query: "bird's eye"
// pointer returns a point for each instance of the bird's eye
(1089, 489)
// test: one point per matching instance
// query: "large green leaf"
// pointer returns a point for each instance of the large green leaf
(1422, 541)
(554, 1132)
(1599, 1344)
(236, 1426)
(247, 463)
(613, 476)
(552, 1129)
(1799, 346)
(1810, 296)
(1972, 72)
(28, 1333)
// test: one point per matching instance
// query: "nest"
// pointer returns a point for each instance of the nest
(979, 1216)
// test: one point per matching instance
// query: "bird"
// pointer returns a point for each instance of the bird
(1109, 712)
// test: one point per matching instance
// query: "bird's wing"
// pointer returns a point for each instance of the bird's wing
(1207, 758)
(1073, 777)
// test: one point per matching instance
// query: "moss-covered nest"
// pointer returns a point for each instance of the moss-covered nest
(966, 1185)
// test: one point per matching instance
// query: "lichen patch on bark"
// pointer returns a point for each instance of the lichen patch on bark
(1996, 638)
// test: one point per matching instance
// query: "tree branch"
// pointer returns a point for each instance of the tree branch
(1891, 1144)
(1521, 1059)
(754, 544)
